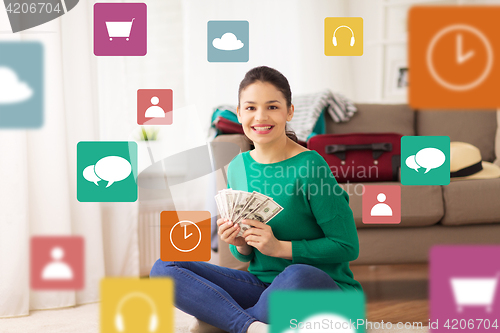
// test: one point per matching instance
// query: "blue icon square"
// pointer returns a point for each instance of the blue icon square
(21, 85)
(227, 41)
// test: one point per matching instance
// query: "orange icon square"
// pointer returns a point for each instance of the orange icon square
(452, 53)
(185, 236)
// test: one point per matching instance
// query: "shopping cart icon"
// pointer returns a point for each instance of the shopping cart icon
(119, 29)
(474, 291)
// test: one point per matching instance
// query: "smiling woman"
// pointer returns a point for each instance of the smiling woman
(274, 94)
(307, 246)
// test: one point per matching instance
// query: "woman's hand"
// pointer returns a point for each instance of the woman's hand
(262, 238)
(228, 231)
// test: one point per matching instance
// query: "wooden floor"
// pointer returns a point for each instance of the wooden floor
(395, 293)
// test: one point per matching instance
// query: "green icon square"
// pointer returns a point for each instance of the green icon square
(425, 160)
(317, 311)
(106, 171)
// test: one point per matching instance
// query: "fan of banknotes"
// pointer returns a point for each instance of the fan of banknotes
(239, 205)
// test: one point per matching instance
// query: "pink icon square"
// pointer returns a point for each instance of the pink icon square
(464, 288)
(154, 106)
(57, 263)
(120, 29)
(381, 204)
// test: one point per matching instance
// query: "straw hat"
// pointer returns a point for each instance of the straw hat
(465, 163)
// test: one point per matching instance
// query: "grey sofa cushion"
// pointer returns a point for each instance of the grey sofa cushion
(376, 118)
(472, 201)
(475, 127)
(411, 245)
(420, 205)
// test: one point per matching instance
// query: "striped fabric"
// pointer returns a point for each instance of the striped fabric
(308, 108)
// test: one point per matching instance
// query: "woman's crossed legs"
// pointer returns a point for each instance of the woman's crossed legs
(231, 299)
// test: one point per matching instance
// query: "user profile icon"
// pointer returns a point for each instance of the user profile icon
(381, 204)
(155, 107)
(57, 263)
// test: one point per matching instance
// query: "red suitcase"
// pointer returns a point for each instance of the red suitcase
(227, 126)
(360, 157)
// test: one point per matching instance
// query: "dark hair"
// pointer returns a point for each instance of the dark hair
(274, 77)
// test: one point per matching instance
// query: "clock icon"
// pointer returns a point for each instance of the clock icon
(459, 55)
(187, 234)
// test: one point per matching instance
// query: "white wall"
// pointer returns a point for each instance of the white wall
(119, 78)
(366, 70)
(284, 34)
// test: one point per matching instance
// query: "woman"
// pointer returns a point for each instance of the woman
(308, 245)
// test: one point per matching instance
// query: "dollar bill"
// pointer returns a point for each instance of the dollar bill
(265, 212)
(228, 200)
(218, 201)
(255, 201)
(230, 203)
(242, 200)
(239, 205)
(225, 205)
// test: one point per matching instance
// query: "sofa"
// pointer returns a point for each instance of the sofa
(463, 212)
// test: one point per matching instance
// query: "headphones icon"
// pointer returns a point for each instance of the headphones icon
(334, 39)
(153, 319)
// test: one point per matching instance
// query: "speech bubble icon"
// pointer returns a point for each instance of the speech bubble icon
(430, 158)
(113, 169)
(89, 174)
(411, 163)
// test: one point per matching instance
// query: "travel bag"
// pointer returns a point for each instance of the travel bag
(360, 157)
(226, 126)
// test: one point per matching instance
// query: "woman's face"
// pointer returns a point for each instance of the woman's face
(263, 112)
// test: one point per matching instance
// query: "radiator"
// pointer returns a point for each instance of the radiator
(149, 236)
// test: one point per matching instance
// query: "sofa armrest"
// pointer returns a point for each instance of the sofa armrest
(239, 139)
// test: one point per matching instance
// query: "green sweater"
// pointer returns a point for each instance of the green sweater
(316, 216)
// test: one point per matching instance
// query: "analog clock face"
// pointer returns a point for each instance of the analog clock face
(459, 57)
(185, 236)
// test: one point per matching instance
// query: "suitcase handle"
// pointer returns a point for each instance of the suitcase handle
(377, 149)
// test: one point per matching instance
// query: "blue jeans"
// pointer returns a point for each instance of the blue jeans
(231, 299)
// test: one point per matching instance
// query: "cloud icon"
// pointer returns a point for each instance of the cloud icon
(11, 89)
(228, 42)
(110, 168)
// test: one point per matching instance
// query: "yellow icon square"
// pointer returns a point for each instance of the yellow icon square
(344, 36)
(137, 305)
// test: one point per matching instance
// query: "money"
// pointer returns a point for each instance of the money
(265, 212)
(239, 205)
(218, 201)
(241, 202)
(256, 199)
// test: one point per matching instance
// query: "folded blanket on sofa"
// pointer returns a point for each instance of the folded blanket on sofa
(308, 109)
